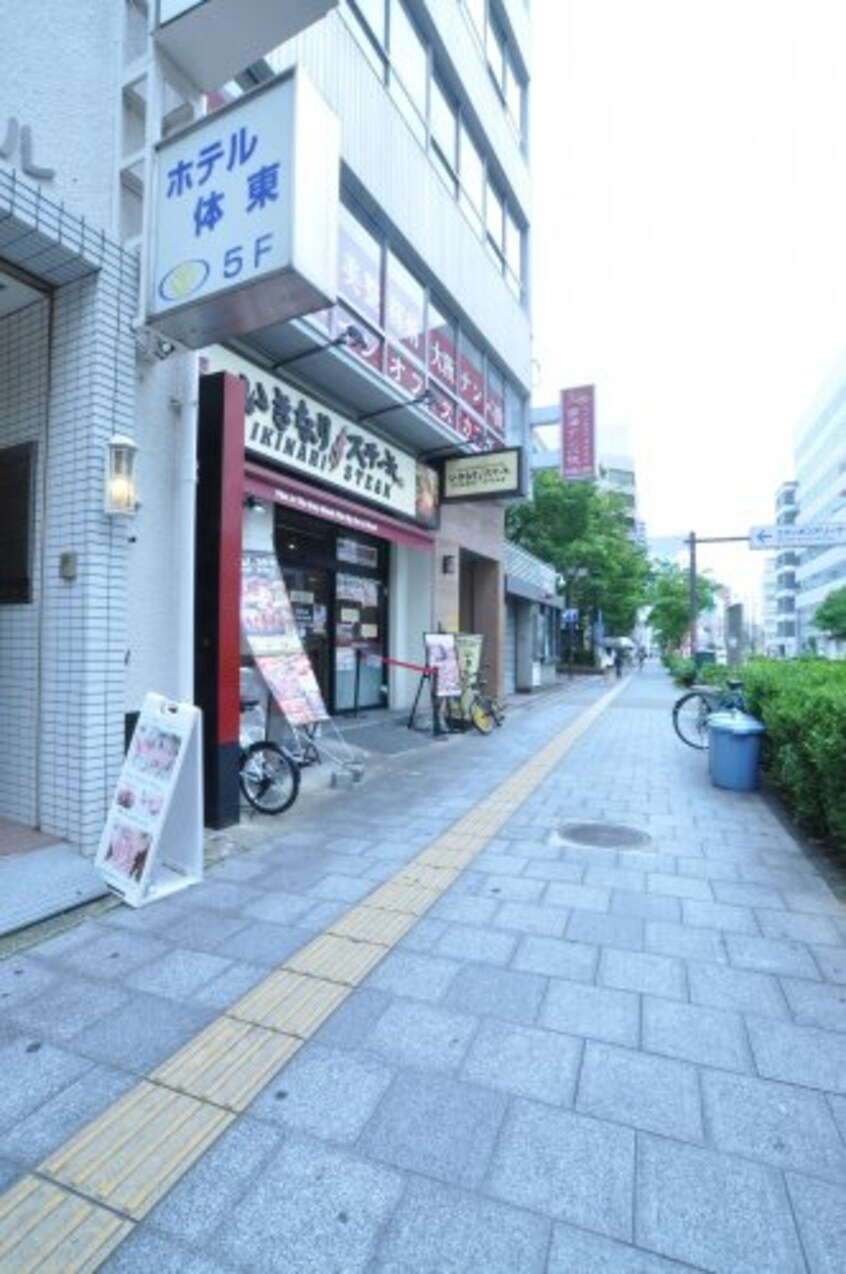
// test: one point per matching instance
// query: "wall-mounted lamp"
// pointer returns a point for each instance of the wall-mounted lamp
(351, 335)
(119, 492)
(426, 397)
(254, 504)
(448, 564)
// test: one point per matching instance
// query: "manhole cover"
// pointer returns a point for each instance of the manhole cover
(604, 835)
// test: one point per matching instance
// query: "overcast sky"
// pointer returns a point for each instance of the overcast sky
(689, 240)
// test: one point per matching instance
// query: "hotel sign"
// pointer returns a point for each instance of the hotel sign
(488, 475)
(292, 430)
(245, 216)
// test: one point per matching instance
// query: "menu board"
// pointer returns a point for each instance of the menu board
(152, 842)
(270, 629)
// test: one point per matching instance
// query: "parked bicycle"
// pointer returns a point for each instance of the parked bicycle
(476, 706)
(692, 710)
(268, 774)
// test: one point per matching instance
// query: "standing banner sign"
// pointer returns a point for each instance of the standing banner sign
(270, 629)
(440, 656)
(152, 844)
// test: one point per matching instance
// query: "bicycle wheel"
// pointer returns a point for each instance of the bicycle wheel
(269, 778)
(497, 710)
(481, 715)
(690, 719)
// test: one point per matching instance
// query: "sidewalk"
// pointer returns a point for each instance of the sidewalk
(544, 1001)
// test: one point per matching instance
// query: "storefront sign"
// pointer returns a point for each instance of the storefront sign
(245, 216)
(578, 459)
(18, 137)
(489, 475)
(293, 430)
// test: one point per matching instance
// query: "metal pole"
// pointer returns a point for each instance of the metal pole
(694, 601)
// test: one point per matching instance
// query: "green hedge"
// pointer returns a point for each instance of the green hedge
(802, 703)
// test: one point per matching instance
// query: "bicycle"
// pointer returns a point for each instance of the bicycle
(692, 710)
(268, 775)
(475, 706)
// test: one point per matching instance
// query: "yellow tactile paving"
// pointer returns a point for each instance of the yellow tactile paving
(228, 1063)
(373, 924)
(337, 959)
(45, 1229)
(131, 1156)
(290, 1002)
(410, 898)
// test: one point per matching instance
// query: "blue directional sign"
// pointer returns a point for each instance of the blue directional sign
(798, 536)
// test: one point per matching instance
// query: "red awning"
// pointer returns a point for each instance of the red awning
(281, 489)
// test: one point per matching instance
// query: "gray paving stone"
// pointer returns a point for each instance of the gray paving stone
(461, 942)
(436, 1126)
(555, 870)
(418, 1034)
(511, 888)
(641, 971)
(263, 943)
(199, 931)
(467, 911)
(107, 955)
(719, 915)
(624, 878)
(820, 1209)
(566, 1166)
(531, 917)
(143, 1033)
(9, 1173)
(740, 893)
(578, 897)
(799, 1054)
(831, 962)
(424, 935)
(557, 958)
(625, 932)
(59, 1116)
(706, 869)
(780, 1124)
(709, 1037)
(222, 895)
(178, 973)
(796, 925)
(324, 1092)
(727, 988)
(354, 1018)
(22, 980)
(33, 1072)
(593, 1012)
(771, 955)
(282, 908)
(666, 938)
(311, 1208)
(416, 977)
(224, 990)
(647, 906)
(65, 1006)
(507, 994)
(524, 1060)
(713, 1211)
(437, 1230)
(145, 1250)
(496, 864)
(838, 1109)
(657, 1094)
(580, 1252)
(679, 886)
(816, 1003)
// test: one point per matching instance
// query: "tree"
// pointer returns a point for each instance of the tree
(830, 617)
(669, 596)
(577, 528)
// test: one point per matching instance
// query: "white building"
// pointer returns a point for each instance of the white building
(820, 460)
(419, 352)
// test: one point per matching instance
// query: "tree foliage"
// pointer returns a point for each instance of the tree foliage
(830, 617)
(585, 534)
(669, 600)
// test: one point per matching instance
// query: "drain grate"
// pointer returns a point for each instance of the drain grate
(604, 836)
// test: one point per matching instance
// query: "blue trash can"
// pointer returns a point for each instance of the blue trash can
(734, 743)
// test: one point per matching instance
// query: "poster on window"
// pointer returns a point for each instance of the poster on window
(152, 843)
(270, 629)
(441, 658)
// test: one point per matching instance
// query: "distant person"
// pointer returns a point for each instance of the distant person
(606, 663)
(619, 660)
(641, 657)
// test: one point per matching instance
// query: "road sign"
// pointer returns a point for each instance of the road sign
(797, 536)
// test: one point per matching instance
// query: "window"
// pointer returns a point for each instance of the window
(472, 178)
(495, 222)
(443, 133)
(17, 516)
(476, 13)
(370, 31)
(359, 267)
(513, 255)
(442, 348)
(409, 69)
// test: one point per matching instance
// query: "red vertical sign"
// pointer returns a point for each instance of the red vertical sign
(578, 460)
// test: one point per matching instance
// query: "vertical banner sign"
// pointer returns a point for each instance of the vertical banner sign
(441, 656)
(578, 453)
(269, 624)
(152, 843)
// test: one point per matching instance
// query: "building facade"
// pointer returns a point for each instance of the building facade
(349, 413)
